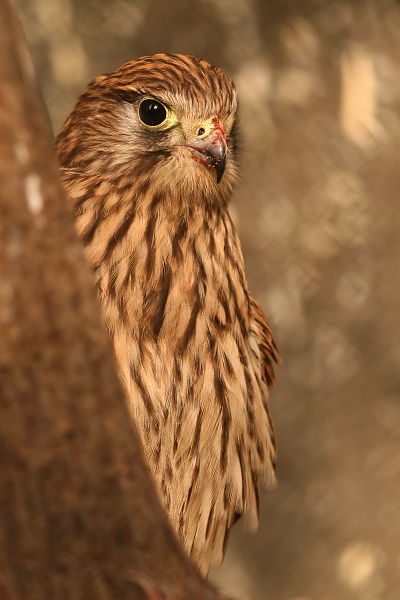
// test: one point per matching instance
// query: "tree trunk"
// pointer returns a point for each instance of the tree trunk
(79, 517)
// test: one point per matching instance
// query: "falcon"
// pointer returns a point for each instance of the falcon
(148, 160)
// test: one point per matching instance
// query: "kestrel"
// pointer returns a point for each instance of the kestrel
(148, 161)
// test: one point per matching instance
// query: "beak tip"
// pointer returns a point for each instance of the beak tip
(220, 169)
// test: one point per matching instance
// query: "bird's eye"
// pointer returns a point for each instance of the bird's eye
(152, 112)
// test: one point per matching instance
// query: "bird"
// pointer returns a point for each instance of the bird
(149, 160)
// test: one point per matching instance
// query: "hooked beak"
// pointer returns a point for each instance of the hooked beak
(210, 147)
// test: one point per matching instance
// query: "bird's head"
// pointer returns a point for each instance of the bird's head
(168, 117)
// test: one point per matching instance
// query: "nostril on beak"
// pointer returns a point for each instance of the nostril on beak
(201, 131)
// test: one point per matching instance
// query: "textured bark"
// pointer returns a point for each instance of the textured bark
(78, 514)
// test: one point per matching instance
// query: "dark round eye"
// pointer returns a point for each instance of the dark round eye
(152, 112)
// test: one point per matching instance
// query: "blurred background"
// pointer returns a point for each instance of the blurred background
(319, 217)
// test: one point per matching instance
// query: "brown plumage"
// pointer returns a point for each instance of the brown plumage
(148, 160)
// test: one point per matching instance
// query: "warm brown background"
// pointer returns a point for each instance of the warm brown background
(319, 217)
